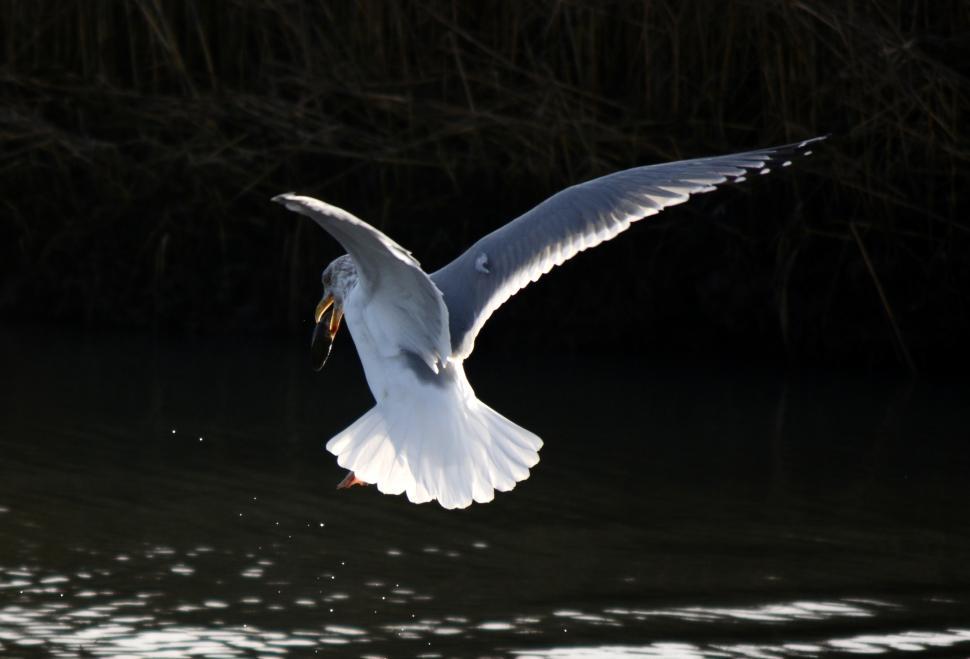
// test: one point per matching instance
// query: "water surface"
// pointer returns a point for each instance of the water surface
(172, 498)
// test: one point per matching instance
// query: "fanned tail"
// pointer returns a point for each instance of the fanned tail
(454, 451)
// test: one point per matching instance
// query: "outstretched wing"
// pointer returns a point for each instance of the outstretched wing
(499, 265)
(412, 312)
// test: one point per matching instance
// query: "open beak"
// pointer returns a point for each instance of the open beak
(326, 329)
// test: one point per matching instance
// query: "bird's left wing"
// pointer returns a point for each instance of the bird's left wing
(577, 218)
(412, 311)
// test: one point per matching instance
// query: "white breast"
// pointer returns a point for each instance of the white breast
(375, 366)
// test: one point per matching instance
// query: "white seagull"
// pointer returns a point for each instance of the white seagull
(428, 435)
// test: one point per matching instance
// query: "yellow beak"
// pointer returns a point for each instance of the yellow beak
(335, 316)
(322, 307)
(320, 349)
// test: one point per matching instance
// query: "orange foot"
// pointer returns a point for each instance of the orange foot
(349, 481)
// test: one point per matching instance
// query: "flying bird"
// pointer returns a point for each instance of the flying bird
(428, 435)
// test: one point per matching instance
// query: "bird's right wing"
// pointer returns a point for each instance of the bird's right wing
(577, 218)
(412, 313)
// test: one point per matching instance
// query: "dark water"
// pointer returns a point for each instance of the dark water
(166, 499)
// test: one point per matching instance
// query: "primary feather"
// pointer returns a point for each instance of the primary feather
(575, 219)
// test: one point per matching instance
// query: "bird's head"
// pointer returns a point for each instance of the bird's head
(338, 279)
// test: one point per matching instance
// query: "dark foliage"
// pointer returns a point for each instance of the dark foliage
(140, 142)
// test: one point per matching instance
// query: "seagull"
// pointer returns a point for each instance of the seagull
(428, 435)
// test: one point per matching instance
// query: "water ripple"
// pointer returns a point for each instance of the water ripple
(915, 641)
(68, 618)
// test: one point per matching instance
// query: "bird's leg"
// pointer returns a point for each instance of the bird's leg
(349, 481)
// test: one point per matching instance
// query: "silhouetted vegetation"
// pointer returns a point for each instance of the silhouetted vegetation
(140, 142)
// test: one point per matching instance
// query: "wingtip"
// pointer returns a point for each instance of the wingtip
(283, 198)
(813, 140)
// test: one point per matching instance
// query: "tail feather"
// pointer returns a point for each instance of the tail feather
(453, 453)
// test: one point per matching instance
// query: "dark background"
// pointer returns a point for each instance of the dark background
(773, 478)
(140, 143)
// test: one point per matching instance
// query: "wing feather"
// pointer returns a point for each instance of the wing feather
(412, 309)
(575, 219)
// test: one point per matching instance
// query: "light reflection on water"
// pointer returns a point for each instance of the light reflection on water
(720, 517)
(69, 616)
(907, 642)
